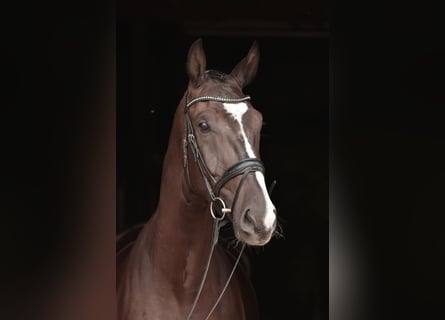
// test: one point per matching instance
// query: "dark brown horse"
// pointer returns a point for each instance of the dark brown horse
(212, 170)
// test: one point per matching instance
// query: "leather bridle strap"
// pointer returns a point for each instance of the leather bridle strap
(190, 139)
(188, 104)
(236, 170)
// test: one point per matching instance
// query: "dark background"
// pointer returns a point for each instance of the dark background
(386, 159)
(290, 89)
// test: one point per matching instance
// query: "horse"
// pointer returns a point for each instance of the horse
(212, 177)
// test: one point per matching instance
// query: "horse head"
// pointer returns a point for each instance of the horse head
(222, 135)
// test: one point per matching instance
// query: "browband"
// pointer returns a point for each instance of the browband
(214, 98)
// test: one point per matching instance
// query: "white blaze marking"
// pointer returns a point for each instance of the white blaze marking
(237, 110)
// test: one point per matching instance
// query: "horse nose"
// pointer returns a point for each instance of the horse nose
(251, 223)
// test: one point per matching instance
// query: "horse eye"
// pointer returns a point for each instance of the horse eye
(204, 126)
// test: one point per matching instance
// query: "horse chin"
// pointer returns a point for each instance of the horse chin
(255, 240)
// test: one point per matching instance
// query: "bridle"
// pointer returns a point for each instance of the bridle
(213, 186)
(218, 207)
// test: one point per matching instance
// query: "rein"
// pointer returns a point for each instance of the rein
(218, 207)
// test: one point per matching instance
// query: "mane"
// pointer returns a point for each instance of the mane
(221, 80)
(216, 75)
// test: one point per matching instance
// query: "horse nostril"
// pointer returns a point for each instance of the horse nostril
(248, 223)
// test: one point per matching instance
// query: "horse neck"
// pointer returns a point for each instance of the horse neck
(183, 225)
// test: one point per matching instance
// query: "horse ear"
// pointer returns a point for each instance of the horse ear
(246, 69)
(196, 63)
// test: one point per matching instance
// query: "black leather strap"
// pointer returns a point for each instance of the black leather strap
(236, 170)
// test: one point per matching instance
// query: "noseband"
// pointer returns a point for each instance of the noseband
(244, 167)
